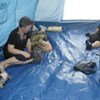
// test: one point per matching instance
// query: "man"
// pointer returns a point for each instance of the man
(19, 38)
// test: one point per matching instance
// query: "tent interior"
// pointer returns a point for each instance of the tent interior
(54, 78)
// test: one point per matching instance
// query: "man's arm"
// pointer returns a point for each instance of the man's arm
(29, 46)
(13, 50)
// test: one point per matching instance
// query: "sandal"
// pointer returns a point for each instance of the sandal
(3, 77)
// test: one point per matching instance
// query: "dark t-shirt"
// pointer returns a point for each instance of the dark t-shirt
(98, 34)
(94, 37)
(14, 39)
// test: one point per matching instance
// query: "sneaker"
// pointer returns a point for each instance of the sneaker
(4, 76)
(88, 45)
(87, 34)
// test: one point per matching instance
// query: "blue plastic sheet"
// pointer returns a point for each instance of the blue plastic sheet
(54, 78)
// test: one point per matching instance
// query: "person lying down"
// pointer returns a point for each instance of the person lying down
(93, 40)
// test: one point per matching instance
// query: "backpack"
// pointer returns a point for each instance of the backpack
(87, 67)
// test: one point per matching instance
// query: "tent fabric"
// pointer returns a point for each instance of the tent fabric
(49, 10)
(7, 18)
(26, 8)
(10, 13)
(3, 11)
(54, 78)
(12, 10)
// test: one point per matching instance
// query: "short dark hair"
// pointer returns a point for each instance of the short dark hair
(25, 21)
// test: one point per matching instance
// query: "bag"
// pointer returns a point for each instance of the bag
(87, 67)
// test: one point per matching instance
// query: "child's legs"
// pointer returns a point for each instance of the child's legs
(8, 62)
(24, 62)
(96, 44)
(12, 61)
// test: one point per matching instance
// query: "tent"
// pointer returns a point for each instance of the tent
(54, 78)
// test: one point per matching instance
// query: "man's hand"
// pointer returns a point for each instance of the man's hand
(26, 54)
(42, 30)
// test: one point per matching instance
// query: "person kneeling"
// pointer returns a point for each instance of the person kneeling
(40, 44)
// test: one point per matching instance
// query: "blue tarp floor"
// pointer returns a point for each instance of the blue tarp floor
(54, 78)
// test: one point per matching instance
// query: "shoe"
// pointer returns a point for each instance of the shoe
(2, 77)
(88, 45)
(87, 34)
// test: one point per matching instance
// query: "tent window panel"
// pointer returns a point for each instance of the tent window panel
(82, 9)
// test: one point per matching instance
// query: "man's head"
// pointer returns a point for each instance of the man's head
(25, 24)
